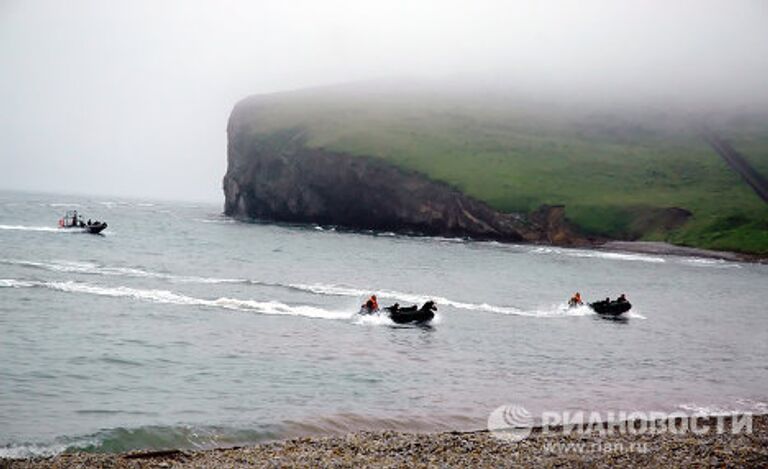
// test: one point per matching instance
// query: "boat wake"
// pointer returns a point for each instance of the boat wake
(341, 290)
(168, 297)
(49, 229)
(383, 319)
(560, 310)
(90, 268)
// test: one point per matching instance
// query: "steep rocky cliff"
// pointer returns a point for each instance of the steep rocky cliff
(276, 176)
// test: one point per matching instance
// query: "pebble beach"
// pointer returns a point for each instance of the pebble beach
(454, 449)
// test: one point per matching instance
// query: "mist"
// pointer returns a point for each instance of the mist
(132, 98)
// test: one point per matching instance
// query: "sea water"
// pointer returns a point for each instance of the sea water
(181, 328)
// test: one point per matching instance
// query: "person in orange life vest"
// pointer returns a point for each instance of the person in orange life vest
(575, 300)
(372, 305)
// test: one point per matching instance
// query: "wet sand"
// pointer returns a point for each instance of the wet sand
(454, 449)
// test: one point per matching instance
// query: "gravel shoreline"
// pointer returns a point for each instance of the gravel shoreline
(659, 248)
(456, 449)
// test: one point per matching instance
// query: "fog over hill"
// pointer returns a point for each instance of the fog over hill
(132, 98)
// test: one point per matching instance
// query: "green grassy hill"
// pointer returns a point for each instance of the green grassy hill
(611, 168)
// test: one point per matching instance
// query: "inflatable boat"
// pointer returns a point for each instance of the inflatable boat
(611, 308)
(407, 315)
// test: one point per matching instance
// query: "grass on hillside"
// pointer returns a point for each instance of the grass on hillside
(604, 166)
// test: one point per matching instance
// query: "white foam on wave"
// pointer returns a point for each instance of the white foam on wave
(218, 221)
(32, 450)
(64, 204)
(110, 204)
(443, 239)
(28, 450)
(619, 256)
(707, 262)
(739, 406)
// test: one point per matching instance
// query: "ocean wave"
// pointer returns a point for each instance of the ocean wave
(218, 221)
(198, 437)
(63, 204)
(706, 262)
(444, 239)
(147, 438)
(620, 256)
(29, 450)
(739, 406)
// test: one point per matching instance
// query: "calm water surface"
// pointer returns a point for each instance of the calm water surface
(182, 328)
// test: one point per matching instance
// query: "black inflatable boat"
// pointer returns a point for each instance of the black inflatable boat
(96, 228)
(412, 314)
(409, 314)
(611, 308)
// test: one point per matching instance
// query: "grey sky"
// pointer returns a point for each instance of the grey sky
(132, 98)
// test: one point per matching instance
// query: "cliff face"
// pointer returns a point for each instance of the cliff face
(277, 177)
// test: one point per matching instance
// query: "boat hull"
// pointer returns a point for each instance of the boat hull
(611, 308)
(407, 315)
(412, 314)
(418, 317)
(94, 228)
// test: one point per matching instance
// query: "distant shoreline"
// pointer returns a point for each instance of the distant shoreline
(660, 248)
(746, 448)
(637, 247)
